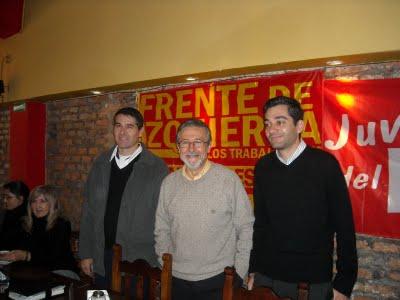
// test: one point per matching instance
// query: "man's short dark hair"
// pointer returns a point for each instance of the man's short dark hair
(294, 107)
(133, 112)
(194, 123)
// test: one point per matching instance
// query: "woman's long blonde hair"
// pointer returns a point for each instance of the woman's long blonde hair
(48, 192)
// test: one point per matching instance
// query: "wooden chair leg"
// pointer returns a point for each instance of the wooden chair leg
(228, 284)
(127, 286)
(303, 289)
(140, 288)
(116, 275)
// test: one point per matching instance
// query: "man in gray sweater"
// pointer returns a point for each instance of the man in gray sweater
(204, 219)
(121, 196)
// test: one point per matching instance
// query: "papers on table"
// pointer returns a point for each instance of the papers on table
(4, 282)
(57, 290)
(3, 277)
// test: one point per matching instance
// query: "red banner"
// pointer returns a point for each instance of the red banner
(233, 111)
(357, 121)
(361, 125)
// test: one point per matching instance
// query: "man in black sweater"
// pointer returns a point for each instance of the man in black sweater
(301, 204)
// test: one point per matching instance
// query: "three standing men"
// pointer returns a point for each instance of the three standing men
(203, 219)
(301, 203)
(121, 196)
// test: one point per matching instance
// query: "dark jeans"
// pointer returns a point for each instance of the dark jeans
(207, 289)
(317, 291)
(104, 282)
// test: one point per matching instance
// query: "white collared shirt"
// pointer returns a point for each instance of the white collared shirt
(300, 148)
(123, 161)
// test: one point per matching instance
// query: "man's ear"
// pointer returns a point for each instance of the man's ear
(209, 148)
(300, 126)
(141, 131)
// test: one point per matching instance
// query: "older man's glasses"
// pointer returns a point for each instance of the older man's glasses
(186, 144)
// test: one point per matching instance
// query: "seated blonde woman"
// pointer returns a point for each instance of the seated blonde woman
(46, 237)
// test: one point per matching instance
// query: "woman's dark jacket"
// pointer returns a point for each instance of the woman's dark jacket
(11, 229)
(50, 248)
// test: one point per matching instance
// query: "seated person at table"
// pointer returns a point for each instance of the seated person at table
(15, 196)
(46, 240)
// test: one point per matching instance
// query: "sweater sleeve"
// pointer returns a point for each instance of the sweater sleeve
(260, 222)
(86, 231)
(342, 217)
(162, 230)
(243, 221)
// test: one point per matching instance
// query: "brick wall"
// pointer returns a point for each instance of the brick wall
(379, 268)
(365, 72)
(4, 141)
(78, 130)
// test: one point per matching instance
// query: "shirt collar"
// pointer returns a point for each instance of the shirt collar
(300, 148)
(205, 169)
(123, 161)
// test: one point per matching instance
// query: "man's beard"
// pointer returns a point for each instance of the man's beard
(197, 164)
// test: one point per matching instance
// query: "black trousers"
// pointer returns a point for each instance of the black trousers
(317, 291)
(207, 289)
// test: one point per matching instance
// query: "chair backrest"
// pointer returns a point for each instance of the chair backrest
(159, 281)
(257, 293)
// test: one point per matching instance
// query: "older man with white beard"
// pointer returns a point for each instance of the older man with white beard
(203, 218)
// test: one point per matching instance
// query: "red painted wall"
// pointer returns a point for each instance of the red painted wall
(27, 144)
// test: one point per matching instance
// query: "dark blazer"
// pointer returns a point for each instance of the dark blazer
(135, 229)
(11, 229)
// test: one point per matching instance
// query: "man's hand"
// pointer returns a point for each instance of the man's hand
(250, 281)
(87, 266)
(339, 296)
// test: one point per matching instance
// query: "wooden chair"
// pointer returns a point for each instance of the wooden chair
(257, 293)
(160, 281)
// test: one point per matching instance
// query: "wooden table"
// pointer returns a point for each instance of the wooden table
(75, 289)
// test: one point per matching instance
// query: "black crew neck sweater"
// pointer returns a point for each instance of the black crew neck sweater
(299, 208)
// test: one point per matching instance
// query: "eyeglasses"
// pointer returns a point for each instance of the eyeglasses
(6, 197)
(186, 144)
